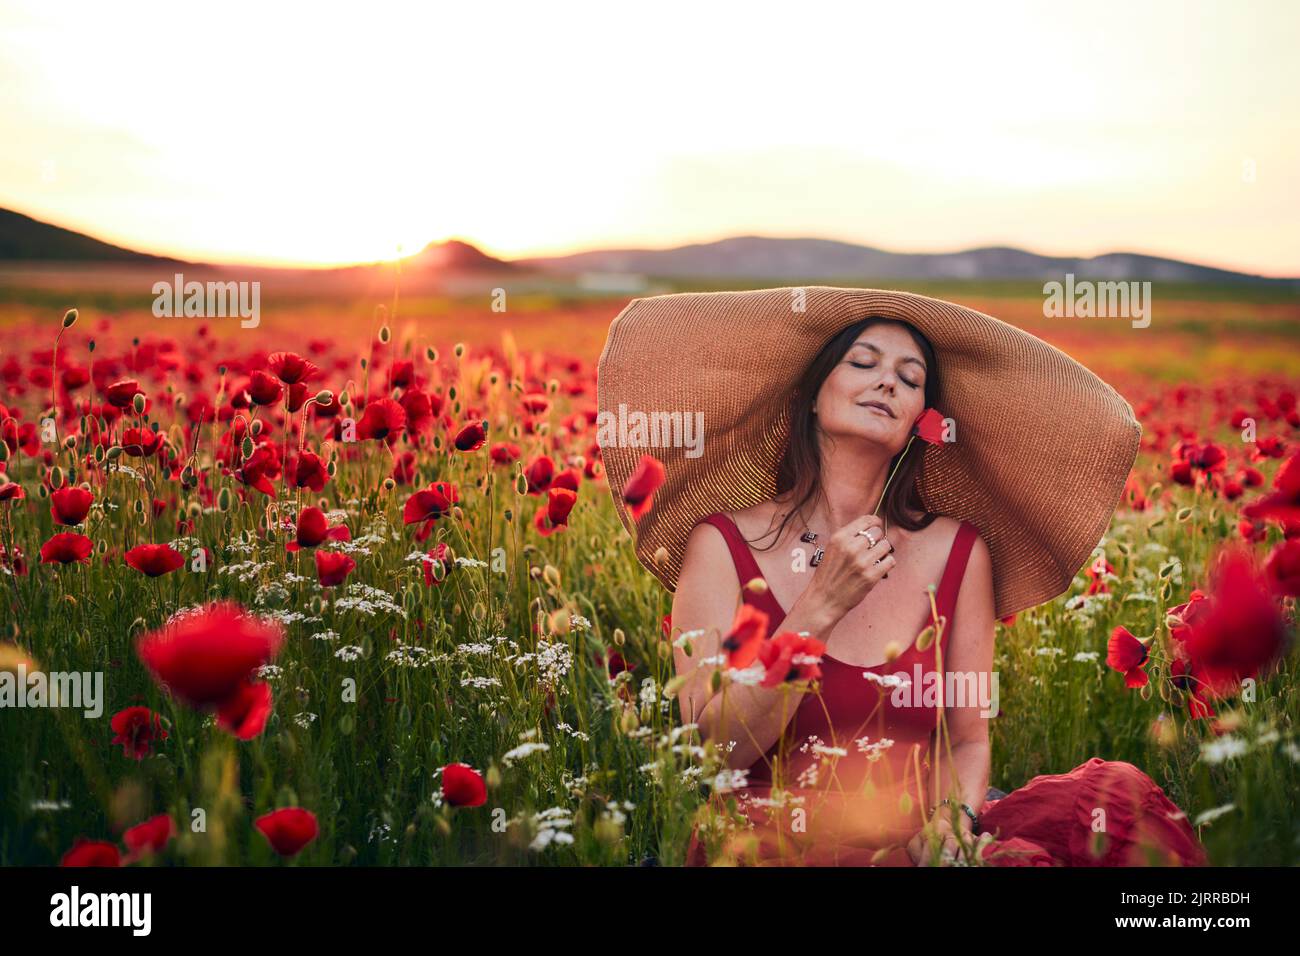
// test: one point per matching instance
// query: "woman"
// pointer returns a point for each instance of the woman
(860, 747)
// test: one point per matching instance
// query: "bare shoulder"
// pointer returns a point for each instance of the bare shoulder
(757, 520)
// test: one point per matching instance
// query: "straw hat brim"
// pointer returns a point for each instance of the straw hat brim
(1043, 447)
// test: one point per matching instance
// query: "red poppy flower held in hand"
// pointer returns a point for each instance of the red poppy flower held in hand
(136, 728)
(1126, 654)
(288, 830)
(790, 657)
(929, 427)
(333, 568)
(639, 491)
(70, 505)
(205, 657)
(66, 547)
(154, 559)
(91, 853)
(245, 714)
(746, 636)
(471, 437)
(383, 420)
(151, 836)
(462, 786)
(290, 368)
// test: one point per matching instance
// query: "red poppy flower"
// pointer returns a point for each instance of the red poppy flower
(462, 786)
(471, 437)
(91, 853)
(569, 478)
(539, 474)
(205, 657)
(261, 468)
(152, 836)
(66, 547)
(430, 503)
(290, 368)
(1240, 632)
(383, 420)
(288, 830)
(11, 491)
(310, 472)
(314, 529)
(790, 657)
(333, 567)
(1283, 568)
(140, 442)
(70, 505)
(136, 728)
(747, 633)
(440, 555)
(154, 559)
(245, 714)
(639, 491)
(264, 388)
(120, 394)
(1181, 676)
(419, 411)
(555, 516)
(1126, 654)
(503, 453)
(1283, 505)
(402, 374)
(929, 427)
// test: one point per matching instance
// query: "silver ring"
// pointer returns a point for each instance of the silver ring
(866, 532)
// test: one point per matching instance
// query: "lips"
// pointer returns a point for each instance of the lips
(880, 405)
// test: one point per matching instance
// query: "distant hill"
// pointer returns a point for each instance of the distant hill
(28, 239)
(754, 257)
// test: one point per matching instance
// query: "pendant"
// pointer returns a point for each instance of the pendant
(816, 558)
(809, 536)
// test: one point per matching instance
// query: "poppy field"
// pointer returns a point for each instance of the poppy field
(357, 592)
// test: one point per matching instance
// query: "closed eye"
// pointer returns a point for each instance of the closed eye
(905, 381)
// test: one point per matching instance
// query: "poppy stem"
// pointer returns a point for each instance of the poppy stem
(893, 471)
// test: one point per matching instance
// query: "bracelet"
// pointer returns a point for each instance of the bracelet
(974, 820)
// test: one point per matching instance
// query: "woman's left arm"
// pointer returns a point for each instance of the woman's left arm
(962, 768)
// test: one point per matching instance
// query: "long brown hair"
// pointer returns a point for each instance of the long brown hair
(800, 468)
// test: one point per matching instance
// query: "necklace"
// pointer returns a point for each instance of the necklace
(810, 536)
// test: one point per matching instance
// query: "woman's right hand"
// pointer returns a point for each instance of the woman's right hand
(851, 565)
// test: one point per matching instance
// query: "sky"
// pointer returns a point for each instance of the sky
(301, 134)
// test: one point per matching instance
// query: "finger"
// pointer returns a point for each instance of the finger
(863, 523)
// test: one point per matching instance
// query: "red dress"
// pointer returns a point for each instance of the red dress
(876, 772)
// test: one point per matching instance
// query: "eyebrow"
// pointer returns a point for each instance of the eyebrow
(876, 349)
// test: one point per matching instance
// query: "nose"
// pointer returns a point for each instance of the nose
(887, 380)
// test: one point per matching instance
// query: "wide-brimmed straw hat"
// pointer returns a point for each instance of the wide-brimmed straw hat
(1043, 447)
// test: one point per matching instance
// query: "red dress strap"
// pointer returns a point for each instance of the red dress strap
(746, 569)
(955, 570)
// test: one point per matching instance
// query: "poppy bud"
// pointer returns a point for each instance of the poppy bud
(137, 402)
(223, 499)
(324, 397)
(331, 469)
(509, 515)
(255, 428)
(4, 451)
(756, 586)
(389, 484)
(42, 491)
(493, 777)
(56, 477)
(247, 447)
(459, 350)
(69, 318)
(114, 453)
(70, 442)
(925, 639)
(628, 722)
(715, 681)
(431, 354)
(138, 505)
(384, 334)
(521, 484)
(560, 622)
(619, 637)
(1183, 514)
(92, 345)
(451, 393)
(194, 509)
(551, 575)
(99, 453)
